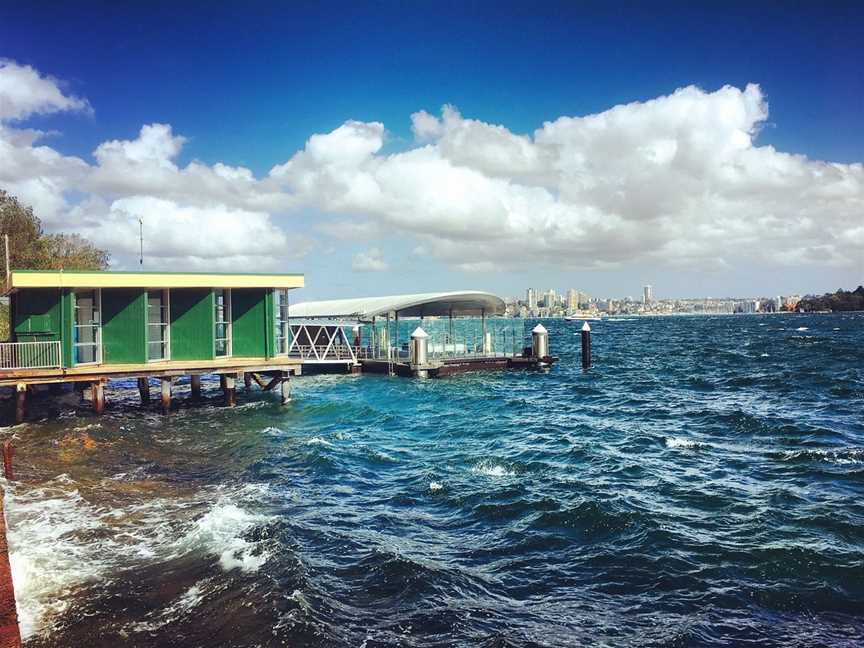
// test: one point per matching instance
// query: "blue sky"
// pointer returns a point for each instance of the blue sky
(248, 85)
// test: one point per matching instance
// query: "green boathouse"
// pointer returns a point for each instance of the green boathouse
(93, 327)
(75, 319)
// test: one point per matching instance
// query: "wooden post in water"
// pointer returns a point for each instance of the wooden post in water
(10, 634)
(144, 390)
(166, 395)
(97, 389)
(20, 399)
(586, 346)
(7, 460)
(195, 380)
(247, 380)
(286, 387)
(229, 390)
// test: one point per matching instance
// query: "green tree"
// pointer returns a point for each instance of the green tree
(31, 249)
(27, 247)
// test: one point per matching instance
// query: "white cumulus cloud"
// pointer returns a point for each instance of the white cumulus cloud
(25, 92)
(680, 180)
(372, 260)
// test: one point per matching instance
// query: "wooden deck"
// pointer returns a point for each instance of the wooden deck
(170, 368)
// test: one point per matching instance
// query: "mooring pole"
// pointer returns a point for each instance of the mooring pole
(7, 460)
(586, 346)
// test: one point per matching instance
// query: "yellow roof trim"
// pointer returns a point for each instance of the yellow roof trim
(20, 280)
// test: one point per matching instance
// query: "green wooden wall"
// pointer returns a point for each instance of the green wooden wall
(36, 315)
(124, 333)
(191, 324)
(249, 322)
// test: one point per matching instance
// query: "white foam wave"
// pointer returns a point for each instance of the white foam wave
(317, 440)
(59, 542)
(802, 328)
(680, 442)
(491, 469)
(220, 532)
(840, 456)
(435, 486)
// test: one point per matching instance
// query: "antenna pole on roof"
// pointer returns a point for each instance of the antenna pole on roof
(141, 241)
(6, 245)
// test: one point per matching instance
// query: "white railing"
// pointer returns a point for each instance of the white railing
(30, 355)
(321, 352)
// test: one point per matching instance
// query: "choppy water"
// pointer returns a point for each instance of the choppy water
(701, 486)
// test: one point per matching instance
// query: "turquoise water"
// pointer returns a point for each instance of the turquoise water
(700, 486)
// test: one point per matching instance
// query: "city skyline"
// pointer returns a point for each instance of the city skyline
(397, 160)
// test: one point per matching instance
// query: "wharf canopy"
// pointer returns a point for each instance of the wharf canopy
(70, 320)
(457, 324)
(441, 304)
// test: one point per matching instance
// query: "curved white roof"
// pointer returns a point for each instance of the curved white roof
(463, 302)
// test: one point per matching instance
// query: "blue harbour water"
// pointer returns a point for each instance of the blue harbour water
(701, 486)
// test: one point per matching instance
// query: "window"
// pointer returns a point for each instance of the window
(222, 318)
(86, 336)
(157, 325)
(283, 333)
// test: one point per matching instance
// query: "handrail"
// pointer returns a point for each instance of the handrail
(30, 355)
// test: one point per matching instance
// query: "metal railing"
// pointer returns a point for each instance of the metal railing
(321, 352)
(30, 355)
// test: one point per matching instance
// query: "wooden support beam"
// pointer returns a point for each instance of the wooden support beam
(247, 380)
(258, 380)
(275, 381)
(98, 390)
(166, 395)
(286, 388)
(222, 382)
(144, 390)
(20, 399)
(229, 390)
(195, 380)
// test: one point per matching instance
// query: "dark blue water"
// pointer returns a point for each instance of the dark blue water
(700, 486)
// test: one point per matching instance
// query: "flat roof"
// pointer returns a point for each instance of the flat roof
(440, 304)
(111, 279)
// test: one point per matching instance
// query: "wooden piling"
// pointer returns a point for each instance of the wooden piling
(10, 634)
(166, 395)
(195, 380)
(247, 380)
(286, 388)
(228, 387)
(98, 391)
(7, 460)
(144, 390)
(223, 383)
(20, 400)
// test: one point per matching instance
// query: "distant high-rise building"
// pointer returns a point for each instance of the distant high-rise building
(531, 298)
(572, 299)
(647, 297)
(551, 298)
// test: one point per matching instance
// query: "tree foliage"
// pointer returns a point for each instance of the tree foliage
(842, 300)
(31, 249)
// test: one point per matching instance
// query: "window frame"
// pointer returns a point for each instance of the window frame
(165, 307)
